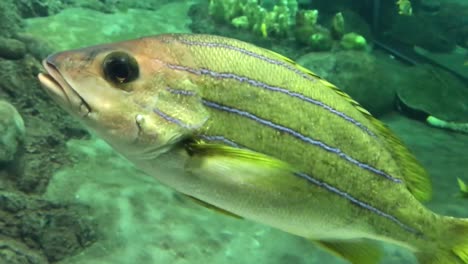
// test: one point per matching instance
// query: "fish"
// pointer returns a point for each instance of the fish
(248, 132)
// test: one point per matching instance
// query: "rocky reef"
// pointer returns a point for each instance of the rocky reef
(32, 142)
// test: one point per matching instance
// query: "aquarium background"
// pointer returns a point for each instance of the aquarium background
(66, 197)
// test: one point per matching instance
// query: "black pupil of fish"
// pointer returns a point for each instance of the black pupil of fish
(119, 67)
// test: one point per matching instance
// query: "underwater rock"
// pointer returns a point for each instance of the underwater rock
(11, 21)
(12, 49)
(436, 92)
(14, 252)
(52, 230)
(12, 131)
(36, 8)
(36, 47)
(47, 127)
(68, 29)
(423, 31)
(369, 79)
(453, 19)
(430, 5)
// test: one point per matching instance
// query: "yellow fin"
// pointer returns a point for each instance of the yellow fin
(463, 188)
(203, 148)
(453, 244)
(212, 207)
(414, 175)
(245, 167)
(356, 251)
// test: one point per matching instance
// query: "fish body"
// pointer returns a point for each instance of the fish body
(250, 132)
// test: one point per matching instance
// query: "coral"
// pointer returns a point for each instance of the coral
(310, 18)
(320, 39)
(240, 22)
(338, 26)
(353, 41)
(404, 7)
(249, 14)
(309, 33)
(12, 131)
(278, 20)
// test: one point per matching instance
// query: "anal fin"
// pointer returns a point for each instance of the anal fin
(356, 251)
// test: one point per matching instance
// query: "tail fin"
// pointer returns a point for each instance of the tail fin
(453, 244)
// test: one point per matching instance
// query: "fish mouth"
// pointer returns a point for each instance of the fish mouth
(58, 88)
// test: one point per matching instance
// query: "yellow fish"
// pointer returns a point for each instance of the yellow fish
(249, 132)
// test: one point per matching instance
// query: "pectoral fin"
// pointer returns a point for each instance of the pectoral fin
(237, 166)
(356, 251)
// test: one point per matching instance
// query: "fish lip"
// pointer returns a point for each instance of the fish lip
(55, 85)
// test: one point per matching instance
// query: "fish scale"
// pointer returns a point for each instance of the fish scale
(225, 88)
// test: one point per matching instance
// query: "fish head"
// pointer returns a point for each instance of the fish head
(112, 89)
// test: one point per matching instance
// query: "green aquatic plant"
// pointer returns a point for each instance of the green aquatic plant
(283, 18)
(463, 188)
(250, 14)
(454, 126)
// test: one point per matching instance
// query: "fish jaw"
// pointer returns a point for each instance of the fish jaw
(58, 88)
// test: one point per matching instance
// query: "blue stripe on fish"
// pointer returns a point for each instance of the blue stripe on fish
(265, 86)
(220, 138)
(355, 201)
(175, 120)
(180, 91)
(249, 53)
(299, 136)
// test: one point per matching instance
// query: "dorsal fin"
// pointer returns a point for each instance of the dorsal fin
(415, 176)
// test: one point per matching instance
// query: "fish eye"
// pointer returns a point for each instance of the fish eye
(120, 67)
